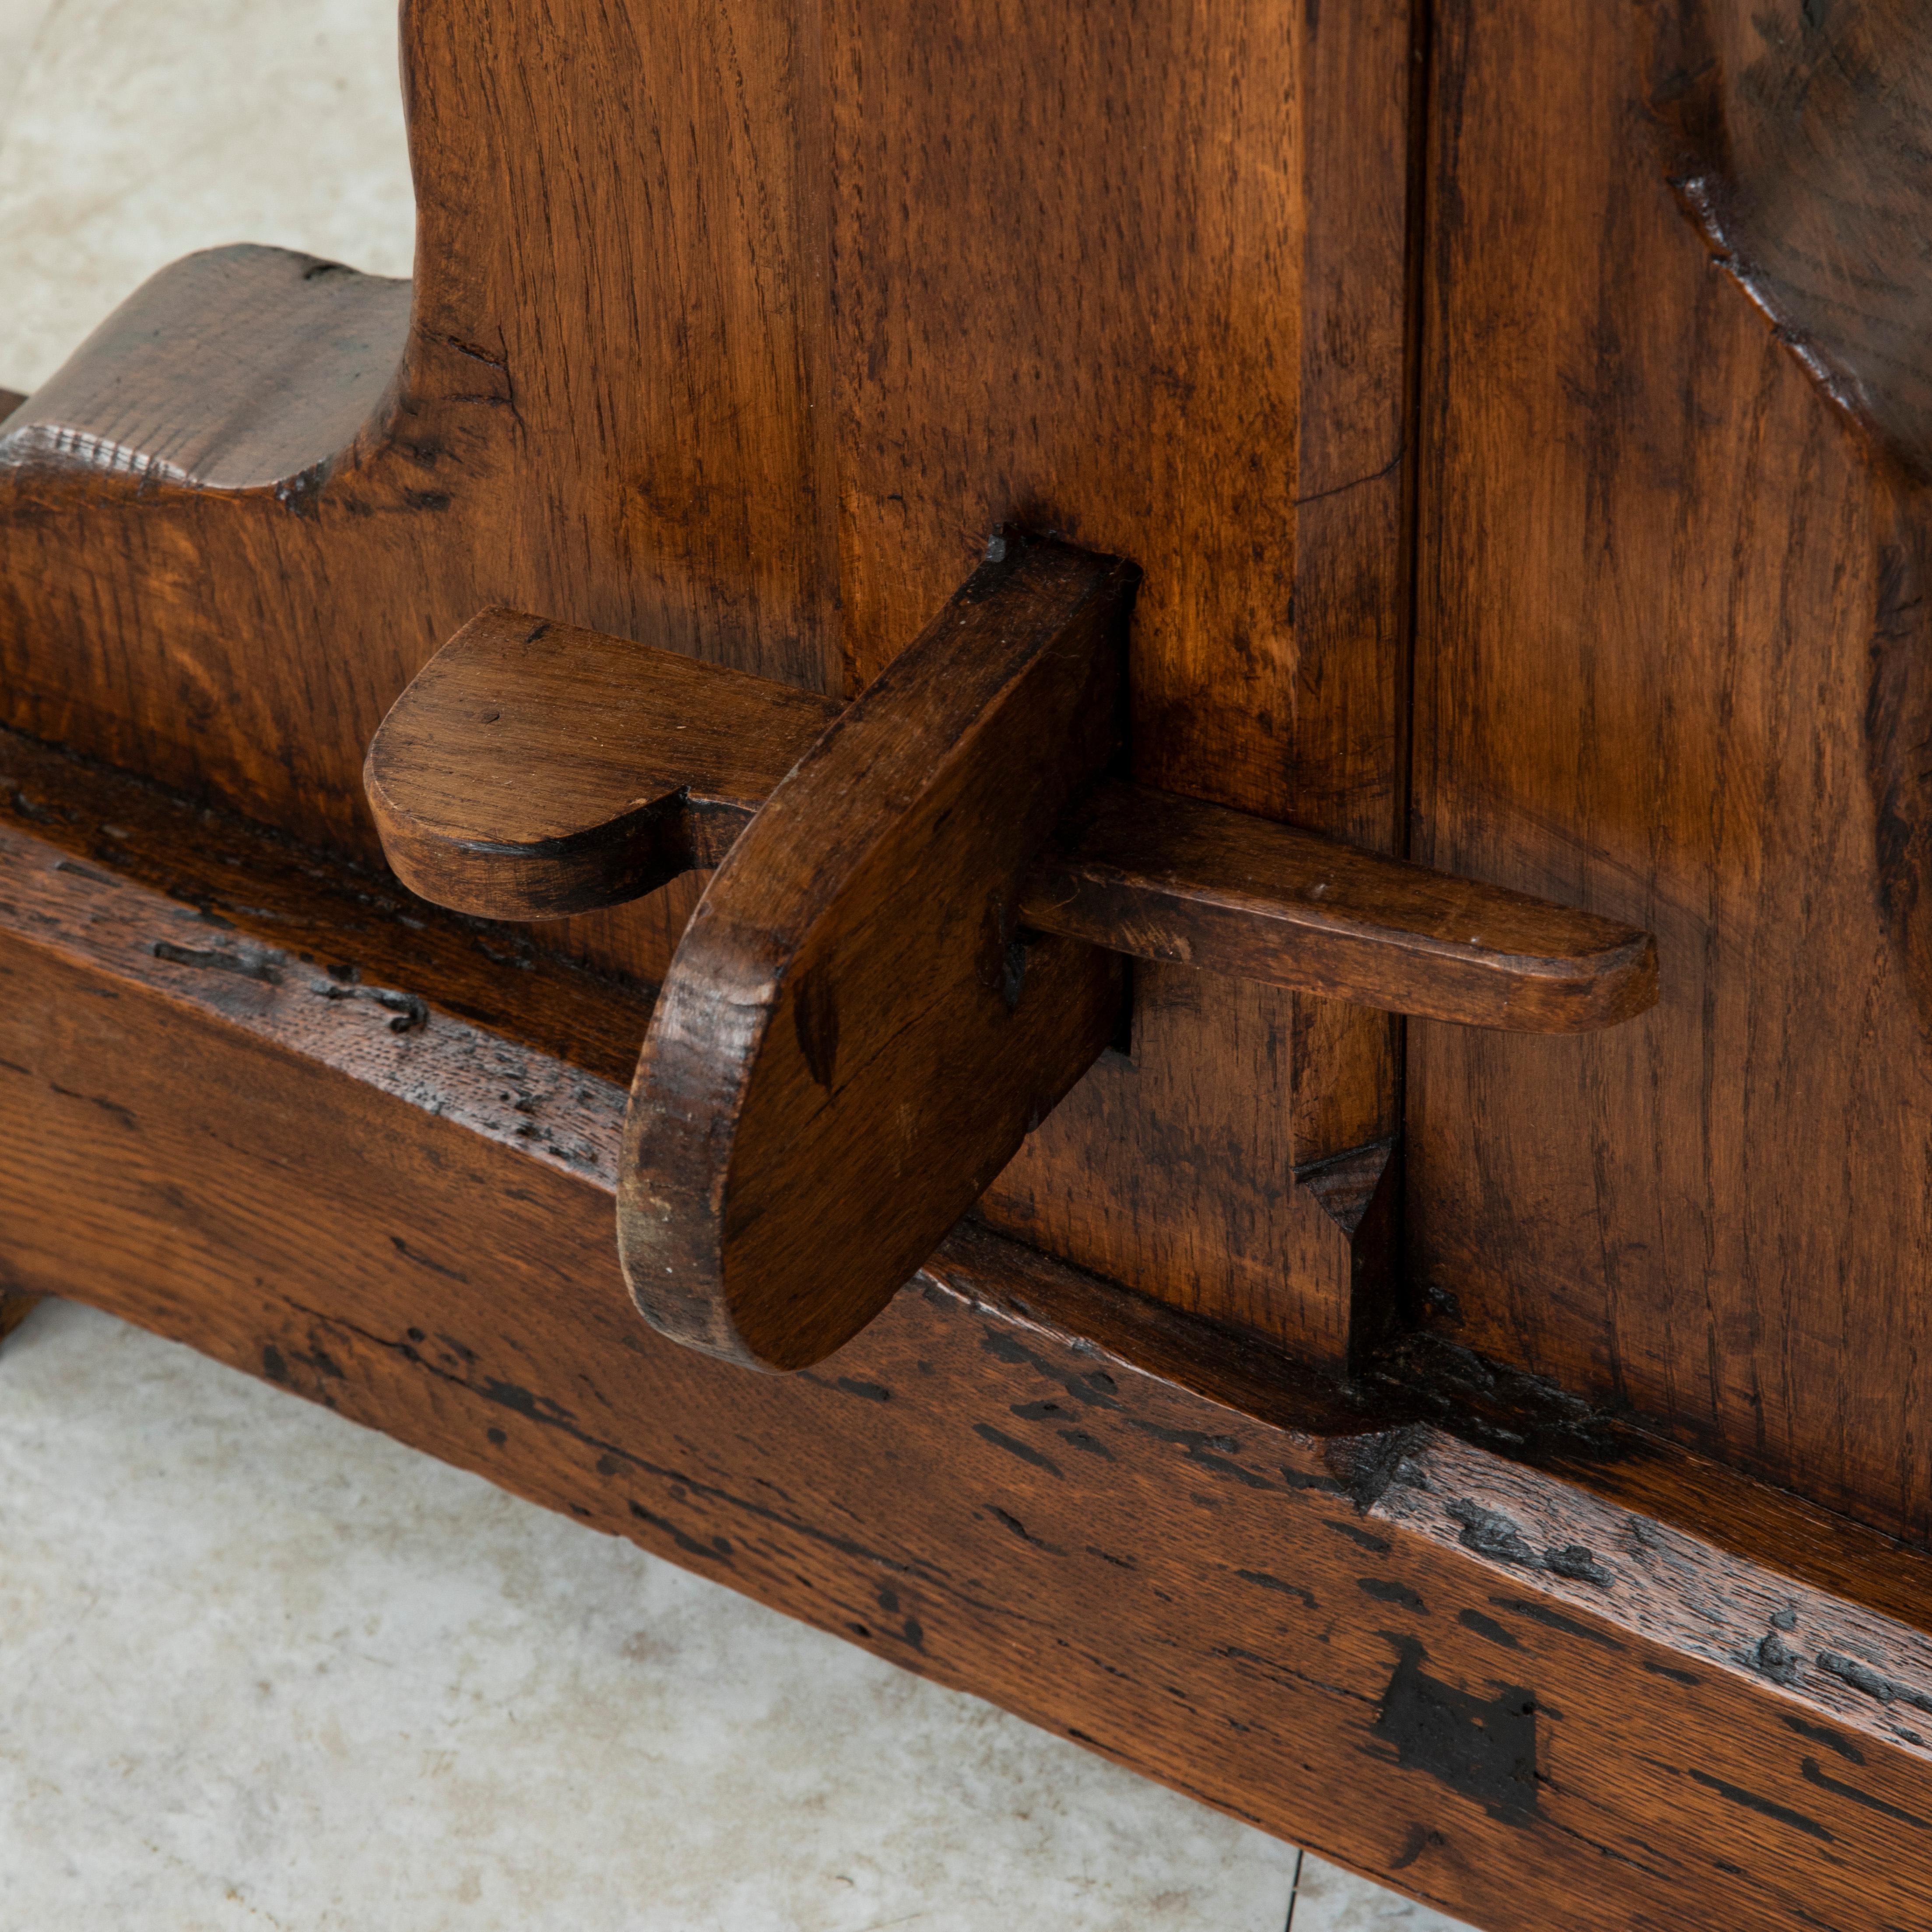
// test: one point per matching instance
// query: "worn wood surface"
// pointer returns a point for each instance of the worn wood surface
(1654, 600)
(1565, 1662)
(856, 1033)
(255, 503)
(1794, 135)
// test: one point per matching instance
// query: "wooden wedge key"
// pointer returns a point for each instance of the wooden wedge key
(910, 948)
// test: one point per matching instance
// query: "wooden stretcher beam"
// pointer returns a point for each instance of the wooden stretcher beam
(1444, 1625)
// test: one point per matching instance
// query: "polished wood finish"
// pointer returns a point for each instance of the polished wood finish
(1576, 1664)
(1795, 139)
(530, 770)
(300, 481)
(1798, 147)
(856, 1035)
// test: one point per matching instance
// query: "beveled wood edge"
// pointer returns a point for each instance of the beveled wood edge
(247, 324)
(1247, 897)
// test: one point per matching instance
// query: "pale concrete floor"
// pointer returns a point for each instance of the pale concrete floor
(261, 1668)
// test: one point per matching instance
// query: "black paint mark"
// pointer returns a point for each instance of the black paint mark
(1764, 1807)
(1486, 1627)
(1814, 1774)
(987, 1432)
(1785, 1619)
(1036, 1411)
(409, 1254)
(1380, 1545)
(1873, 1683)
(1491, 1533)
(1327, 1485)
(273, 1365)
(1265, 1581)
(1775, 1659)
(1675, 1676)
(1578, 1563)
(865, 1391)
(1484, 1748)
(1079, 1439)
(319, 1359)
(1369, 1466)
(1207, 1452)
(1823, 1734)
(408, 1012)
(1096, 1388)
(1541, 1613)
(717, 1550)
(250, 966)
(537, 1407)
(496, 1436)
(1385, 1590)
(1020, 1530)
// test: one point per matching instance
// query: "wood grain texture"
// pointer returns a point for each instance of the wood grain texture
(1650, 596)
(1795, 136)
(1795, 141)
(1163, 877)
(1138, 276)
(1588, 1667)
(734, 332)
(532, 769)
(254, 504)
(856, 1035)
